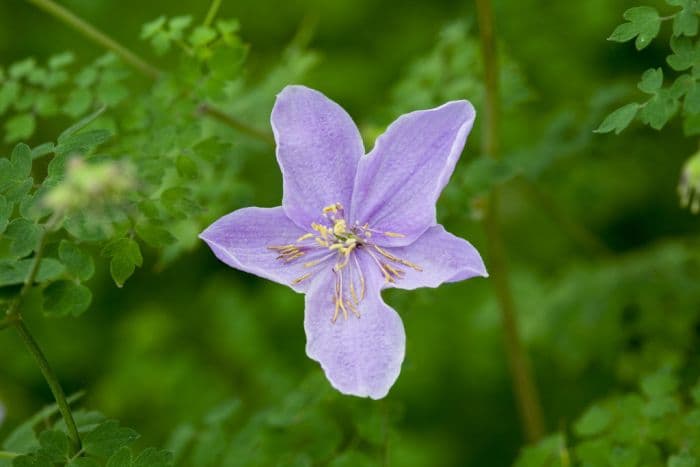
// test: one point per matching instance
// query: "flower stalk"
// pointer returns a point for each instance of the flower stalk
(14, 319)
(139, 64)
(526, 394)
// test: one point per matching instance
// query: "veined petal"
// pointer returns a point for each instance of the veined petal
(360, 356)
(243, 239)
(399, 182)
(318, 147)
(441, 256)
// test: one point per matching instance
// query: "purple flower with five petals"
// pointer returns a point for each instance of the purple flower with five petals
(352, 224)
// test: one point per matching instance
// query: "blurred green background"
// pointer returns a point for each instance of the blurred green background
(175, 343)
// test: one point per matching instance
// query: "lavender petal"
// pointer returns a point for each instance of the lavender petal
(318, 147)
(441, 256)
(399, 182)
(242, 239)
(360, 356)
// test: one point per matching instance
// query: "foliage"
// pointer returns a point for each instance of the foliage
(109, 170)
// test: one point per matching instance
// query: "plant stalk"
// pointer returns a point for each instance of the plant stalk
(524, 387)
(139, 64)
(211, 14)
(14, 318)
(223, 117)
(52, 381)
(94, 34)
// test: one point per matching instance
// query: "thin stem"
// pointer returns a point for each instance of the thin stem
(13, 309)
(14, 318)
(8, 322)
(102, 39)
(211, 14)
(52, 381)
(521, 373)
(234, 123)
(94, 34)
(8, 455)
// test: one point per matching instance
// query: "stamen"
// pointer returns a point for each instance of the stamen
(333, 237)
(301, 279)
(306, 236)
(396, 259)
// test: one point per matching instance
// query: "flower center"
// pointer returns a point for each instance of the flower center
(333, 237)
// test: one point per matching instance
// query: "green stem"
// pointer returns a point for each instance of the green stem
(13, 309)
(52, 381)
(102, 39)
(14, 318)
(94, 34)
(211, 14)
(234, 123)
(524, 387)
(8, 322)
(8, 455)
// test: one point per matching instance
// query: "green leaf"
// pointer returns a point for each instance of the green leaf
(658, 110)
(682, 460)
(186, 168)
(178, 24)
(78, 102)
(152, 27)
(15, 272)
(77, 262)
(353, 459)
(83, 462)
(107, 438)
(21, 159)
(121, 458)
(202, 35)
(177, 202)
(42, 150)
(82, 142)
(73, 129)
(126, 256)
(151, 457)
(65, 297)
(33, 460)
(651, 82)
(595, 420)
(685, 21)
(643, 23)
(24, 235)
(685, 53)
(661, 383)
(5, 212)
(20, 126)
(9, 91)
(54, 444)
(619, 119)
(61, 60)
(154, 235)
(691, 103)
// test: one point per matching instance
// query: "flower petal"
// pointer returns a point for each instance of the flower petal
(242, 240)
(442, 257)
(318, 147)
(360, 356)
(399, 182)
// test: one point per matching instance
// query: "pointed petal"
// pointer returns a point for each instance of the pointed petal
(242, 240)
(399, 182)
(318, 147)
(360, 356)
(442, 257)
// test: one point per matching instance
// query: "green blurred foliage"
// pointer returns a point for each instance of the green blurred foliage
(208, 363)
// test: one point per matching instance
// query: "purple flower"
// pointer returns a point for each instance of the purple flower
(351, 225)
